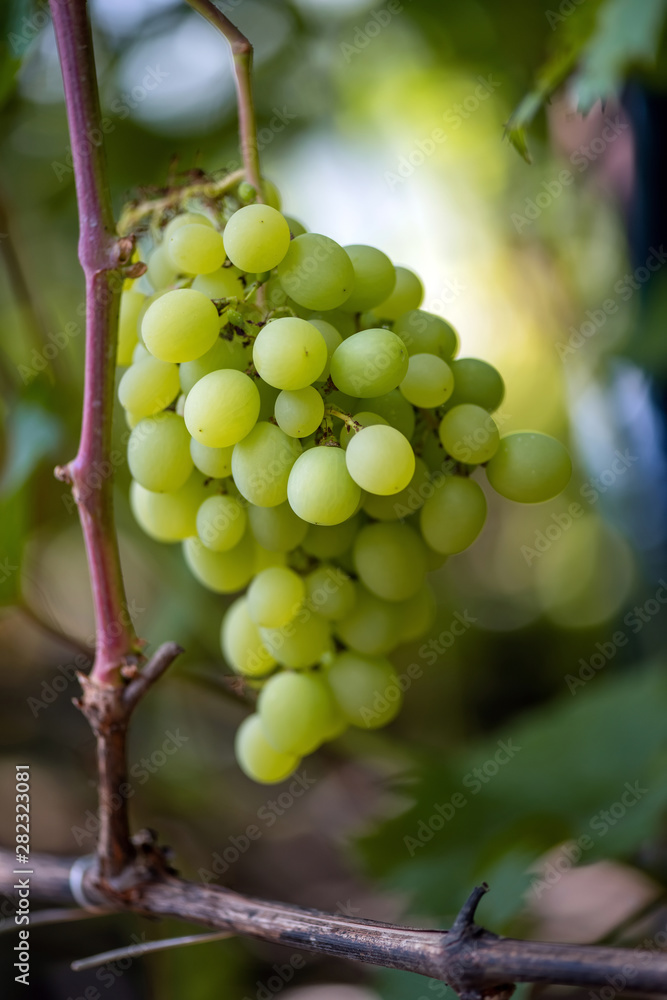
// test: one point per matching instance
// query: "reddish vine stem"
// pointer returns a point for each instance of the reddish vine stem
(101, 255)
(242, 55)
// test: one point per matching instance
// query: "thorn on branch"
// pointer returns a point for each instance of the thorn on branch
(465, 920)
(135, 270)
(63, 473)
(461, 969)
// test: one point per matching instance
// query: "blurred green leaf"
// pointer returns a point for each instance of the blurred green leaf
(32, 434)
(575, 762)
(627, 36)
(12, 532)
(18, 26)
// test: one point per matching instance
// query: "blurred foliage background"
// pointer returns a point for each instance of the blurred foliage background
(380, 124)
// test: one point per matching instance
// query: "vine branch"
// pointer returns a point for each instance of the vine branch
(102, 256)
(480, 965)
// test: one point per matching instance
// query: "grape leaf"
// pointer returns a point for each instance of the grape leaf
(474, 818)
(32, 433)
(627, 36)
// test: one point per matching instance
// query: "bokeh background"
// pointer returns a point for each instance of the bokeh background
(381, 124)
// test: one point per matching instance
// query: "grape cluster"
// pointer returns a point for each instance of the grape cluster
(305, 430)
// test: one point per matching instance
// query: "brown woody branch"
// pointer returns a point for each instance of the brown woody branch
(476, 962)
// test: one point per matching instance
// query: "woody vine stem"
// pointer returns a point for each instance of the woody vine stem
(130, 873)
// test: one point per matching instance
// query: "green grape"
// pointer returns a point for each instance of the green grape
(366, 419)
(222, 408)
(224, 283)
(296, 228)
(277, 529)
(374, 278)
(435, 560)
(369, 320)
(330, 542)
(196, 249)
(221, 523)
(140, 354)
(469, 434)
(390, 560)
(429, 381)
(256, 238)
(289, 353)
(268, 395)
(159, 270)
(180, 326)
(242, 646)
(261, 464)
(476, 382)
(296, 711)
(170, 517)
(185, 219)
(330, 592)
(529, 467)
(398, 506)
(301, 643)
(213, 462)
(316, 272)
(147, 303)
(341, 401)
(275, 596)
(257, 758)
(265, 559)
(299, 412)
(216, 462)
(417, 614)
(222, 572)
(434, 454)
(131, 304)
(395, 409)
(370, 363)
(271, 194)
(148, 387)
(158, 452)
(407, 294)
(277, 298)
(366, 688)
(424, 333)
(341, 321)
(332, 339)
(372, 627)
(453, 517)
(380, 459)
(320, 489)
(246, 192)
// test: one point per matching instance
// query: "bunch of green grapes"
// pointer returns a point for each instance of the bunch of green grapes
(307, 432)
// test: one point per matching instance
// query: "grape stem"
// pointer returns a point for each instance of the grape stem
(155, 207)
(242, 56)
(345, 417)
